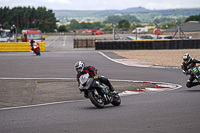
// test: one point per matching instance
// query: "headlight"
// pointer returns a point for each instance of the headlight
(34, 46)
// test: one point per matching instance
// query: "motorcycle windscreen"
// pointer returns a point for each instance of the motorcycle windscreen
(83, 79)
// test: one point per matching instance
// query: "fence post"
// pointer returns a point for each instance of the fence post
(77, 42)
(86, 43)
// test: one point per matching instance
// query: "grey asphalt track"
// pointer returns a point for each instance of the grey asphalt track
(165, 112)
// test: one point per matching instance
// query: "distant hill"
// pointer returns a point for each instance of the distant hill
(139, 12)
(90, 12)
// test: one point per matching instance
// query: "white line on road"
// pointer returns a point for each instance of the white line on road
(136, 65)
(176, 86)
(64, 41)
(41, 104)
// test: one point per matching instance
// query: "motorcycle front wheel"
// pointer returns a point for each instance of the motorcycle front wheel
(116, 100)
(96, 99)
(38, 52)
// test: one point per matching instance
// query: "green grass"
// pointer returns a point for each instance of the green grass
(44, 36)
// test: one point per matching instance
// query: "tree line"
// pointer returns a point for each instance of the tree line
(44, 20)
(124, 23)
(120, 22)
(75, 25)
(27, 17)
(117, 18)
(193, 18)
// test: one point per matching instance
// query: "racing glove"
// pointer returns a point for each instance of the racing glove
(186, 72)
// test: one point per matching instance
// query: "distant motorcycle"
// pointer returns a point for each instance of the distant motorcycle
(36, 48)
(194, 70)
(98, 93)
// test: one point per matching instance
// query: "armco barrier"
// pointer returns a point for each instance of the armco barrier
(18, 46)
(147, 44)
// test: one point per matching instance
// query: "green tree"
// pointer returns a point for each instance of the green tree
(124, 24)
(27, 17)
(6, 17)
(74, 25)
(117, 18)
(97, 24)
(193, 18)
(62, 28)
(131, 18)
(108, 28)
(107, 22)
(86, 25)
(114, 18)
(167, 24)
(156, 20)
(83, 25)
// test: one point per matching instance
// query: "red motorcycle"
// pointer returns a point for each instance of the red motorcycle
(36, 48)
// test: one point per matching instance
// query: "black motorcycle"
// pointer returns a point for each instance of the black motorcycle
(98, 93)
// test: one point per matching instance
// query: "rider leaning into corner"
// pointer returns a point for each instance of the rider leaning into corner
(93, 72)
(187, 61)
(31, 42)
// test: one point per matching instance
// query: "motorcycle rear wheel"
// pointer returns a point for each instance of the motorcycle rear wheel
(97, 100)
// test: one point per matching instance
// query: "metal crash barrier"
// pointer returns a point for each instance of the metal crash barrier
(18, 46)
(147, 44)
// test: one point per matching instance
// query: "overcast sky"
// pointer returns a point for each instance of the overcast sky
(102, 4)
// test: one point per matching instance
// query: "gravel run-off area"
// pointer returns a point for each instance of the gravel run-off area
(160, 57)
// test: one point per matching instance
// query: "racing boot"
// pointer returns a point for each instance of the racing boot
(112, 89)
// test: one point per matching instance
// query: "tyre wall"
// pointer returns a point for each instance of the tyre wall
(147, 44)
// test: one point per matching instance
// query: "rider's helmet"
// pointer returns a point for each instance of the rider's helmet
(79, 66)
(186, 58)
(32, 41)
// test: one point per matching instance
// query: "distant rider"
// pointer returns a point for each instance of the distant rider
(93, 72)
(32, 42)
(188, 61)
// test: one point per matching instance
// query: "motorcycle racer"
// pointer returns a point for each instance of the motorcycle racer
(187, 62)
(31, 43)
(93, 72)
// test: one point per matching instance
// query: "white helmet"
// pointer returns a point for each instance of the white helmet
(79, 65)
(186, 58)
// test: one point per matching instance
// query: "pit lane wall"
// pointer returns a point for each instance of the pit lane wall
(18, 46)
(148, 44)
